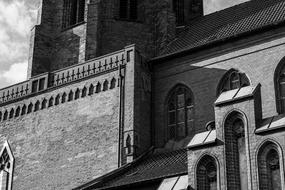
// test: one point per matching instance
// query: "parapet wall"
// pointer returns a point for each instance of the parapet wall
(63, 127)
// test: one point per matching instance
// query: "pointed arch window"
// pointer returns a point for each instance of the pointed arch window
(236, 156)
(269, 167)
(207, 174)
(180, 112)
(6, 167)
(233, 79)
(280, 88)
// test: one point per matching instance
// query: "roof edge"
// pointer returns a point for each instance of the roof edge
(183, 52)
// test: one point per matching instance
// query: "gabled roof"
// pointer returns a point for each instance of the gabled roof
(146, 169)
(228, 23)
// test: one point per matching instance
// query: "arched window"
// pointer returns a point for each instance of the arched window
(5, 115)
(206, 174)
(24, 110)
(84, 92)
(269, 170)
(11, 114)
(91, 90)
(98, 87)
(44, 104)
(70, 96)
(6, 167)
(50, 102)
(63, 98)
(37, 106)
(77, 94)
(18, 110)
(280, 87)
(30, 108)
(105, 85)
(236, 160)
(113, 83)
(233, 79)
(180, 112)
(57, 100)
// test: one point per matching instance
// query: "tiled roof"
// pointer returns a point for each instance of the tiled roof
(270, 124)
(149, 168)
(228, 23)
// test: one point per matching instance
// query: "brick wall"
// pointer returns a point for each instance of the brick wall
(53, 47)
(202, 75)
(65, 145)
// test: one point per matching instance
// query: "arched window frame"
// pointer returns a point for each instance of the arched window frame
(230, 119)
(267, 146)
(229, 83)
(7, 166)
(209, 158)
(172, 128)
(280, 99)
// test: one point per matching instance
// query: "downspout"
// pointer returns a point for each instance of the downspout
(122, 71)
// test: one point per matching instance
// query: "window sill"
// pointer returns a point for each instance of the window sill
(72, 26)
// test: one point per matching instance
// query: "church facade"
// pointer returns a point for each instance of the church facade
(148, 95)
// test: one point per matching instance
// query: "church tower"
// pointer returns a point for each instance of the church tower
(71, 32)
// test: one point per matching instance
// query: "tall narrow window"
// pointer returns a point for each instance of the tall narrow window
(6, 167)
(196, 8)
(128, 9)
(269, 167)
(280, 88)
(180, 112)
(73, 12)
(178, 8)
(207, 174)
(236, 160)
(233, 79)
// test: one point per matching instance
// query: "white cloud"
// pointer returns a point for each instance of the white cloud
(217, 5)
(16, 19)
(15, 74)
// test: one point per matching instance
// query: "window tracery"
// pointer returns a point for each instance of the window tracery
(180, 112)
(232, 80)
(280, 88)
(269, 167)
(6, 167)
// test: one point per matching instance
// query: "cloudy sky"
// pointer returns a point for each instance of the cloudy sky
(17, 17)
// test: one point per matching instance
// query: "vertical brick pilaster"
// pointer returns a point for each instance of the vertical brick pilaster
(4, 179)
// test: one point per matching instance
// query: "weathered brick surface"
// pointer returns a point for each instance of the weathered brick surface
(68, 144)
(202, 75)
(54, 48)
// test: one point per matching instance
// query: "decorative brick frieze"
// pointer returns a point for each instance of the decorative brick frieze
(57, 99)
(39, 83)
